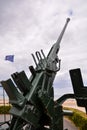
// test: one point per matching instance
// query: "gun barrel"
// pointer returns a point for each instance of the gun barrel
(55, 48)
(61, 34)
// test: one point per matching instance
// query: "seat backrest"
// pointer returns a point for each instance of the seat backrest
(77, 81)
(79, 90)
(22, 82)
(15, 97)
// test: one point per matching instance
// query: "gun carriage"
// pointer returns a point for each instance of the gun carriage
(33, 105)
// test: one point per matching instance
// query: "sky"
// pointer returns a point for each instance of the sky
(31, 25)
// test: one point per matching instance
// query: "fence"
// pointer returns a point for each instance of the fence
(4, 101)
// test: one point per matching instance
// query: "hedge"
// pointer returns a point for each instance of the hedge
(4, 109)
(79, 118)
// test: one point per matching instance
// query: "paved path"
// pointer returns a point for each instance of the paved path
(4, 118)
(69, 125)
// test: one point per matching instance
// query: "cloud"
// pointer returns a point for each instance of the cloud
(28, 26)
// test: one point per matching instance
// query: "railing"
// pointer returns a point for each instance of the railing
(4, 101)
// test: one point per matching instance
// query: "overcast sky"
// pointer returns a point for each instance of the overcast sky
(27, 26)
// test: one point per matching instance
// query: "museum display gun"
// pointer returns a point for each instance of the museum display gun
(32, 100)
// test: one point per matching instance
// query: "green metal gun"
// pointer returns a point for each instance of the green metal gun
(33, 105)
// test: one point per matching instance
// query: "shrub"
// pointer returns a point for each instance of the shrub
(4, 109)
(79, 118)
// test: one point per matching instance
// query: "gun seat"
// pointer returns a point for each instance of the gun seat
(15, 97)
(79, 89)
(22, 82)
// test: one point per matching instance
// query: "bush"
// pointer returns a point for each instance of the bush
(79, 118)
(4, 109)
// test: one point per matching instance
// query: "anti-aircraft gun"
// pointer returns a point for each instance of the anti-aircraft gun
(32, 100)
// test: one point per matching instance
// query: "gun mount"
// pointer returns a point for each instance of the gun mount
(33, 105)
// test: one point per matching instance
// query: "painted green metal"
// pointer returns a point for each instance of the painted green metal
(79, 89)
(33, 105)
